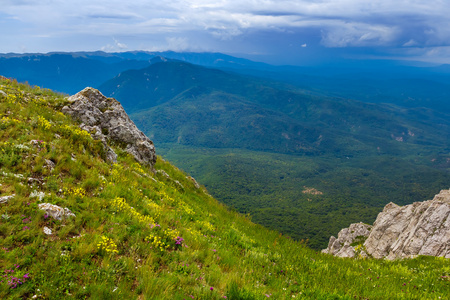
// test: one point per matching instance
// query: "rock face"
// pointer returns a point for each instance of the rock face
(342, 246)
(421, 228)
(109, 121)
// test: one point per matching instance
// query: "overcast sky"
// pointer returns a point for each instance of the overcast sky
(276, 31)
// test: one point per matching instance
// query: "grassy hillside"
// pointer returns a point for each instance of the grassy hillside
(139, 234)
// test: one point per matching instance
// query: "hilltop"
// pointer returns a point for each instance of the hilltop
(127, 230)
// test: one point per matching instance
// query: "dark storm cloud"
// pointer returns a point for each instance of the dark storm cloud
(227, 24)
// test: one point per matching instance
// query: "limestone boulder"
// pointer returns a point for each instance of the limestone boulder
(348, 238)
(421, 228)
(106, 120)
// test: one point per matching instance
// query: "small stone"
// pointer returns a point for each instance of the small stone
(5, 199)
(47, 230)
(197, 186)
(163, 173)
(32, 180)
(49, 164)
(179, 184)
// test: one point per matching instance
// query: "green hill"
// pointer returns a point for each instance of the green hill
(258, 146)
(139, 234)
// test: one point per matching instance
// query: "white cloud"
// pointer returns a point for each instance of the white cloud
(177, 44)
(358, 34)
(118, 46)
(410, 43)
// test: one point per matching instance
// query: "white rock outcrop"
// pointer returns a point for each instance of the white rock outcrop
(56, 211)
(342, 245)
(421, 228)
(106, 120)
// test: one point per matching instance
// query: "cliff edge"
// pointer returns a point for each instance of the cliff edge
(421, 228)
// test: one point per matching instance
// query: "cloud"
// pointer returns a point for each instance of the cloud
(340, 23)
(116, 47)
(358, 35)
(177, 44)
(410, 43)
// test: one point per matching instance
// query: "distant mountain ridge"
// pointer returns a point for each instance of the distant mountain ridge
(378, 81)
(63, 72)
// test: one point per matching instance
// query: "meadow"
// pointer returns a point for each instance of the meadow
(140, 233)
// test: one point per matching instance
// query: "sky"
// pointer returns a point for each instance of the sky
(274, 31)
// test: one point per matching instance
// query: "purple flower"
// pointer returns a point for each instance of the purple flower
(26, 276)
(211, 288)
(179, 240)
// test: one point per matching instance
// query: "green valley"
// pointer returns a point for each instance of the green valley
(258, 145)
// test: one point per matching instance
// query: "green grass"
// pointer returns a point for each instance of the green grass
(122, 242)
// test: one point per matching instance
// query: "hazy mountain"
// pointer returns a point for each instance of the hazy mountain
(377, 81)
(65, 73)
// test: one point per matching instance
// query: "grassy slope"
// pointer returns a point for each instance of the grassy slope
(121, 244)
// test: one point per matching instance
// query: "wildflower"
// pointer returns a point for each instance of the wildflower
(211, 288)
(179, 240)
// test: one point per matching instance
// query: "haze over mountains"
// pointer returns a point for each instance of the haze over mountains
(305, 150)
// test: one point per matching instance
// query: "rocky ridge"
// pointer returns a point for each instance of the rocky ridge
(421, 228)
(106, 120)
